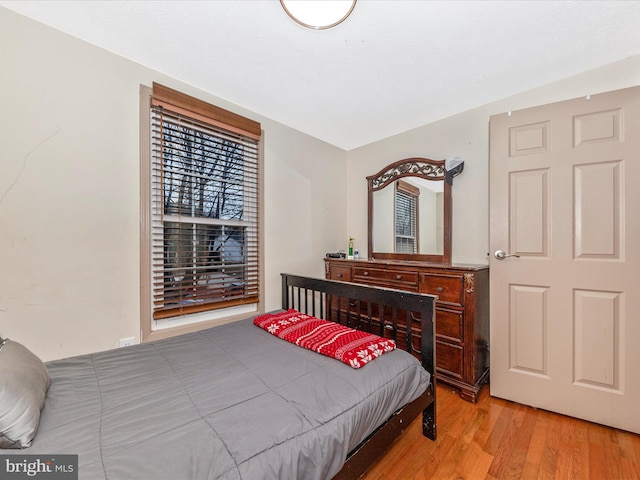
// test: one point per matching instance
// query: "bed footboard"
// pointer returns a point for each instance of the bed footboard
(377, 310)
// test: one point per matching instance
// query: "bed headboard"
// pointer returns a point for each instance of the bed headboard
(375, 309)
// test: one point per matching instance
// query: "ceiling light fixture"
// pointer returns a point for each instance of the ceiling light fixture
(318, 14)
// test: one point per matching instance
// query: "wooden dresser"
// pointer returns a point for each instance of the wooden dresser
(462, 311)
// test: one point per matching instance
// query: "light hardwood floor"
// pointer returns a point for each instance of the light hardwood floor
(497, 439)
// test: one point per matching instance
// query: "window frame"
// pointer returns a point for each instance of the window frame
(192, 107)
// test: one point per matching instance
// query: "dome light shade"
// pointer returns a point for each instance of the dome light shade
(318, 14)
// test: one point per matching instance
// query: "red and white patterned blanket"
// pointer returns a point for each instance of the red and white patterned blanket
(353, 347)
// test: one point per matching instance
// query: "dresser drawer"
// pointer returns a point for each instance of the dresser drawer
(400, 279)
(449, 288)
(449, 359)
(449, 323)
(339, 272)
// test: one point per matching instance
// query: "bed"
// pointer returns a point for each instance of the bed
(235, 402)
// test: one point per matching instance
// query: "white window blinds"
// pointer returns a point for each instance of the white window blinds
(205, 238)
(406, 217)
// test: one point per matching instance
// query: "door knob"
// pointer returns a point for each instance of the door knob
(501, 255)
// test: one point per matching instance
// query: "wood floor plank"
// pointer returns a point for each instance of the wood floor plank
(568, 464)
(493, 408)
(596, 458)
(472, 428)
(445, 444)
(549, 459)
(580, 468)
(508, 462)
(520, 447)
(612, 454)
(536, 447)
(447, 466)
(473, 463)
(629, 451)
(464, 416)
(497, 432)
(448, 409)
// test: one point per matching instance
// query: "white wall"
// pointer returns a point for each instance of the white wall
(467, 136)
(69, 192)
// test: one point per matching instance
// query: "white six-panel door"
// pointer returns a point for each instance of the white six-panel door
(565, 307)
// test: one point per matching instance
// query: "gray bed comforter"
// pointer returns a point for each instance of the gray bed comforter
(231, 402)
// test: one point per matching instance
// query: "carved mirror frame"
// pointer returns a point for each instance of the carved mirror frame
(428, 169)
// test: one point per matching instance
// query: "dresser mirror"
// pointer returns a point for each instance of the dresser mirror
(409, 211)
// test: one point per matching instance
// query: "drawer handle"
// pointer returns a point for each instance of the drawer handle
(440, 289)
(398, 277)
(366, 273)
(388, 327)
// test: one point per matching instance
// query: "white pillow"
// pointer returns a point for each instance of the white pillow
(24, 381)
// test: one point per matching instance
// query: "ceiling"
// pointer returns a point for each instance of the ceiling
(393, 65)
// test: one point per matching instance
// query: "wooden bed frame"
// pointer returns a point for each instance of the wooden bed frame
(378, 310)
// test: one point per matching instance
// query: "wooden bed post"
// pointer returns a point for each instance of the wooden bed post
(429, 419)
(285, 292)
(428, 342)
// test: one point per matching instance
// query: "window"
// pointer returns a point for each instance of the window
(202, 181)
(406, 217)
